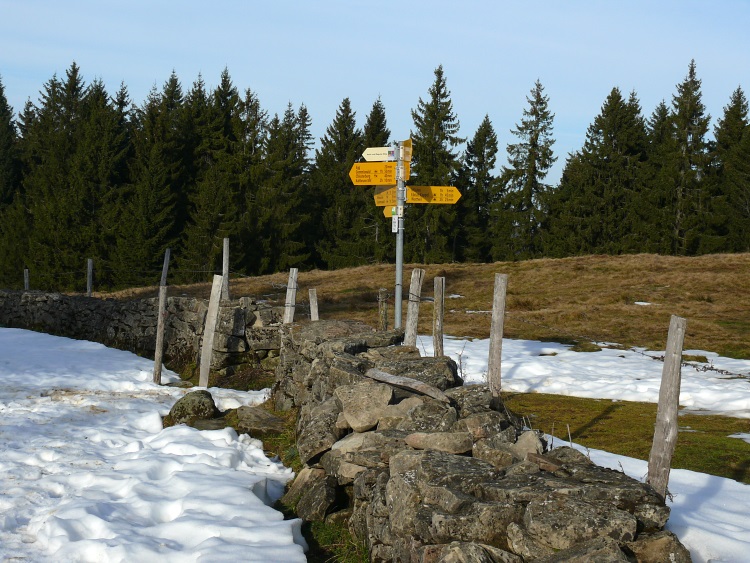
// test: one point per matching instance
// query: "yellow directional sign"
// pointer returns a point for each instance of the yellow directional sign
(373, 174)
(379, 154)
(432, 194)
(385, 195)
(407, 149)
(389, 211)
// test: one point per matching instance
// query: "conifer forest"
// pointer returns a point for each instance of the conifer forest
(88, 173)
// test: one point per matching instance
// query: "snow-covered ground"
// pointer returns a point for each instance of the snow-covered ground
(88, 474)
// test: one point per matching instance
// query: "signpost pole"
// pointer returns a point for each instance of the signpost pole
(400, 200)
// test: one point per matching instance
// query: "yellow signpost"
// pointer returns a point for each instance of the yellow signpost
(386, 195)
(432, 194)
(373, 174)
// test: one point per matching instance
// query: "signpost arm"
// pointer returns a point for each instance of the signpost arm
(400, 199)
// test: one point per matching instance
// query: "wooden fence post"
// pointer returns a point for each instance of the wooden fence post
(383, 308)
(225, 271)
(412, 313)
(437, 316)
(313, 304)
(209, 330)
(665, 433)
(496, 334)
(161, 317)
(25, 279)
(89, 276)
(291, 296)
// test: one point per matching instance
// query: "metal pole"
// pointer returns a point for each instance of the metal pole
(400, 200)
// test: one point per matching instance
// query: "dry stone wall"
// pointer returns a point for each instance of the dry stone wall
(449, 477)
(246, 334)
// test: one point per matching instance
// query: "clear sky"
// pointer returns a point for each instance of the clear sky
(319, 52)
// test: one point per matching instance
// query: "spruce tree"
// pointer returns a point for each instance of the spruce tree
(688, 199)
(376, 134)
(519, 213)
(343, 240)
(597, 207)
(479, 189)
(9, 163)
(57, 246)
(284, 235)
(659, 170)
(215, 201)
(430, 229)
(730, 196)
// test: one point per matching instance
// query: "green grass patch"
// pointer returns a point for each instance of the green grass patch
(627, 428)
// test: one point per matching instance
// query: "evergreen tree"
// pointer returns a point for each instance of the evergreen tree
(215, 202)
(731, 182)
(343, 240)
(430, 229)
(660, 170)
(147, 208)
(9, 163)
(283, 236)
(524, 189)
(688, 202)
(57, 246)
(376, 134)
(600, 196)
(253, 138)
(479, 194)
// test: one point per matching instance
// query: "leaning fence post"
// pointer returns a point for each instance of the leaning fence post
(161, 317)
(209, 330)
(665, 433)
(313, 304)
(89, 276)
(25, 279)
(496, 334)
(412, 313)
(383, 308)
(225, 271)
(291, 296)
(437, 316)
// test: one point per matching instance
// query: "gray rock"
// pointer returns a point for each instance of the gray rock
(258, 422)
(193, 406)
(484, 424)
(563, 523)
(450, 442)
(362, 405)
(317, 499)
(658, 547)
(602, 550)
(430, 416)
(320, 433)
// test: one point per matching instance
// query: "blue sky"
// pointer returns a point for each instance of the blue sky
(319, 52)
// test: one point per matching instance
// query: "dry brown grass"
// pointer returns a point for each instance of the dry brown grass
(581, 298)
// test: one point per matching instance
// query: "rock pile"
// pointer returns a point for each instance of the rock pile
(449, 476)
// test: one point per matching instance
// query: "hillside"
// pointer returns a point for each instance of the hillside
(618, 299)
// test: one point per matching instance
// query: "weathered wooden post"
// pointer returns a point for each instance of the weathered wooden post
(383, 308)
(412, 313)
(496, 334)
(225, 271)
(161, 317)
(89, 276)
(291, 297)
(665, 433)
(25, 279)
(313, 304)
(437, 316)
(209, 330)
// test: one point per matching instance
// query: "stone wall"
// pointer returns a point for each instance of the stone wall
(450, 475)
(247, 332)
